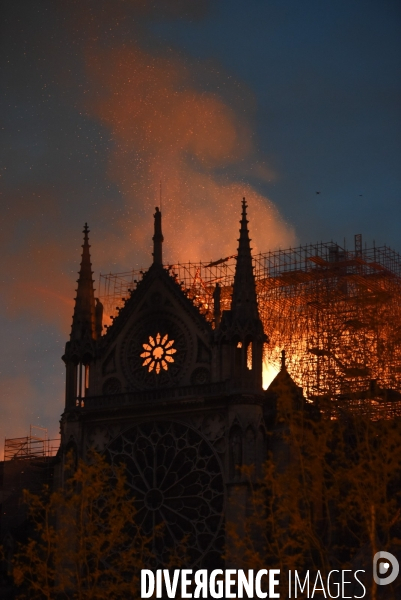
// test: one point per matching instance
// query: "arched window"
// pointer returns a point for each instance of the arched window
(249, 356)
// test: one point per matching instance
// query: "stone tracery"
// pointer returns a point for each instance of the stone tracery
(176, 478)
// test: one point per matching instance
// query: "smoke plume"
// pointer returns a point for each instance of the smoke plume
(166, 133)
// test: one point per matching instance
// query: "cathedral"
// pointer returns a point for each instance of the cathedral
(174, 393)
(175, 397)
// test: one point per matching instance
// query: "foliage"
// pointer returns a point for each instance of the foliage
(86, 543)
(329, 498)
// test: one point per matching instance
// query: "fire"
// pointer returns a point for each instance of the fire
(270, 371)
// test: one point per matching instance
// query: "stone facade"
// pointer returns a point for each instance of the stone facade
(177, 398)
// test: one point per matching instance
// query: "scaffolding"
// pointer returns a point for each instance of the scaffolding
(198, 280)
(336, 312)
(35, 445)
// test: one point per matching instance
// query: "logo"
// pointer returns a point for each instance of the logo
(385, 568)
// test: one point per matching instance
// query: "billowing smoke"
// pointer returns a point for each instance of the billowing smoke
(166, 131)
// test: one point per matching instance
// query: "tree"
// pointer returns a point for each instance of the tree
(86, 542)
(329, 498)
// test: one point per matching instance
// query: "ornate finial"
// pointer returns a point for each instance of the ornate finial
(244, 233)
(244, 207)
(283, 359)
(158, 238)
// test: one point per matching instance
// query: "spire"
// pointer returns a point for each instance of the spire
(158, 239)
(244, 304)
(84, 318)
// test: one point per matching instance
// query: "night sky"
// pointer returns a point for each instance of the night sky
(103, 100)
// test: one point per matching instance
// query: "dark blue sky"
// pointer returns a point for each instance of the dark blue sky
(326, 81)
(102, 100)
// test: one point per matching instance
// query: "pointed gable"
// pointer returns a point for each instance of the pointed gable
(159, 338)
(283, 394)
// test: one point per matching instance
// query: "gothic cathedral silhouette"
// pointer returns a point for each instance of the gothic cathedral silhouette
(177, 398)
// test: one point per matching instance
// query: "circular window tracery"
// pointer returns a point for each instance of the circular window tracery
(176, 478)
(158, 353)
(200, 376)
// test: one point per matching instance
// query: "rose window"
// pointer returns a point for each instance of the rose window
(158, 353)
(176, 478)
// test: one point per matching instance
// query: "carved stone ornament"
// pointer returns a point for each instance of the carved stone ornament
(213, 427)
(200, 376)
